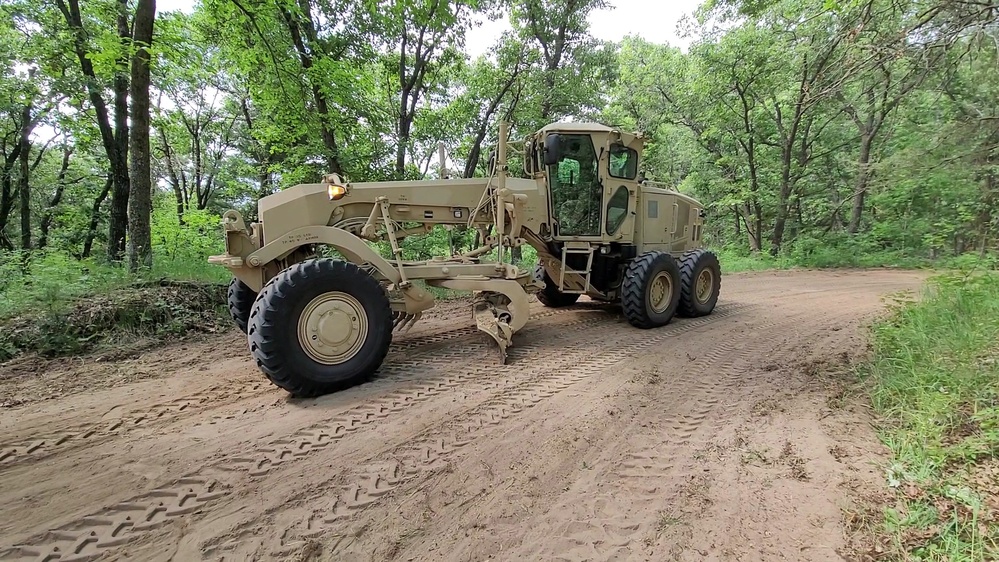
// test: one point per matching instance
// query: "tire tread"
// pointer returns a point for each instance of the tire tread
(240, 299)
(688, 264)
(270, 303)
(636, 278)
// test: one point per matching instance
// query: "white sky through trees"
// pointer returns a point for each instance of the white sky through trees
(653, 20)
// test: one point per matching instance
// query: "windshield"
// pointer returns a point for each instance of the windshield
(576, 189)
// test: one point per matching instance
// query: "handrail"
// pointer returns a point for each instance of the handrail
(659, 185)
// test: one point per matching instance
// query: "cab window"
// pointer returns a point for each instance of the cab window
(576, 189)
(623, 162)
(617, 210)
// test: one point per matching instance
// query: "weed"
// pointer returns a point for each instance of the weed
(666, 521)
(936, 390)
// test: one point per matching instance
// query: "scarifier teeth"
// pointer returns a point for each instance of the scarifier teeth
(404, 321)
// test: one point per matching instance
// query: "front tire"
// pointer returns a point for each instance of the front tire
(240, 298)
(551, 296)
(700, 283)
(650, 292)
(319, 326)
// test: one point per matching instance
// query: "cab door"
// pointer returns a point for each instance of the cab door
(576, 192)
(620, 193)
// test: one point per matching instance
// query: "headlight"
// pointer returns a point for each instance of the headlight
(336, 192)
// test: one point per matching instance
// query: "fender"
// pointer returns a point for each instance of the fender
(352, 247)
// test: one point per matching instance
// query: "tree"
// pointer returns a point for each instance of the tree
(115, 141)
(140, 199)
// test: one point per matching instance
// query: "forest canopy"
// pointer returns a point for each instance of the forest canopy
(857, 127)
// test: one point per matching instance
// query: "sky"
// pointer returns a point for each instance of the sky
(653, 20)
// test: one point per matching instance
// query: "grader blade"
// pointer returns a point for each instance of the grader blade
(494, 322)
(500, 308)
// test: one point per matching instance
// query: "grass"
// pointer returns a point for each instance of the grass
(734, 260)
(935, 383)
(54, 304)
(52, 281)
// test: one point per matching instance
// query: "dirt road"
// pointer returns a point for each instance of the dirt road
(729, 437)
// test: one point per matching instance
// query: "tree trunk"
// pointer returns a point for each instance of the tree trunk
(863, 176)
(172, 177)
(305, 58)
(140, 199)
(405, 125)
(115, 141)
(95, 218)
(118, 224)
(480, 135)
(43, 236)
(753, 230)
(8, 193)
(23, 184)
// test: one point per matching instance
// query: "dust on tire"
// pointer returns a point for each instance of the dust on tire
(694, 264)
(636, 289)
(274, 326)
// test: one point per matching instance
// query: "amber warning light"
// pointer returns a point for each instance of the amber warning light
(336, 192)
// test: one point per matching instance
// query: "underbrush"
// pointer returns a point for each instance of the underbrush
(935, 380)
(54, 304)
(845, 253)
(157, 310)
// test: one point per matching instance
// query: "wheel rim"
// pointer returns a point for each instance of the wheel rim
(661, 292)
(332, 328)
(702, 288)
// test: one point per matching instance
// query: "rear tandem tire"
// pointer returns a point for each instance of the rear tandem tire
(550, 296)
(240, 298)
(700, 283)
(650, 292)
(319, 326)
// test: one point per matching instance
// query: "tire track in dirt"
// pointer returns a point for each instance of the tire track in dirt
(472, 379)
(604, 530)
(409, 465)
(82, 435)
(115, 526)
(469, 379)
(699, 385)
(408, 352)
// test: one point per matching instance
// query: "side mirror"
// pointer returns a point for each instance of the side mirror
(553, 152)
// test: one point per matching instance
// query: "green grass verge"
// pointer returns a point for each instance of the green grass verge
(734, 260)
(935, 380)
(51, 282)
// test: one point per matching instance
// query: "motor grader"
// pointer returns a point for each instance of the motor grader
(316, 324)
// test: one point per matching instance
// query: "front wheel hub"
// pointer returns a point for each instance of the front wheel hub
(661, 292)
(332, 328)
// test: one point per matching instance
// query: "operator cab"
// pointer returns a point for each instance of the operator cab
(592, 177)
(591, 174)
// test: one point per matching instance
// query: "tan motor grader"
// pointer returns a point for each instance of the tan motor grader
(316, 324)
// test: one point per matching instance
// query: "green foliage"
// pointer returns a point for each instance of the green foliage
(122, 315)
(47, 281)
(182, 250)
(817, 134)
(935, 379)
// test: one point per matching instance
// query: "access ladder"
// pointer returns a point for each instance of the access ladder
(578, 248)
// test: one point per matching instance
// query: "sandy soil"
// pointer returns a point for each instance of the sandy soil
(729, 437)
